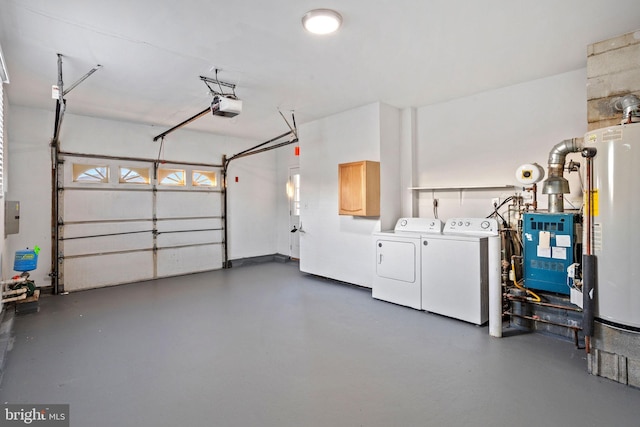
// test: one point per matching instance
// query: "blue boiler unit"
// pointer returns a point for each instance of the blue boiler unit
(551, 243)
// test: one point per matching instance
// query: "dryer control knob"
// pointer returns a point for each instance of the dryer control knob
(484, 224)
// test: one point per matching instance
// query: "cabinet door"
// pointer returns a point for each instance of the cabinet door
(359, 188)
(352, 188)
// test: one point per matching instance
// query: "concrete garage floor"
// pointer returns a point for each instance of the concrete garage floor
(265, 345)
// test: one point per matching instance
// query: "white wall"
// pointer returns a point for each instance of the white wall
(338, 246)
(473, 141)
(29, 175)
(252, 206)
(408, 163)
(390, 166)
(482, 139)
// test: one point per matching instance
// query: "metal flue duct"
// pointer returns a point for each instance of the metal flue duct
(556, 185)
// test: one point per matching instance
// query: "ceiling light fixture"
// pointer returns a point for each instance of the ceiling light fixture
(322, 21)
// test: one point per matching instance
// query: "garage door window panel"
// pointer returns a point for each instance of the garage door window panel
(131, 175)
(90, 173)
(203, 179)
(174, 177)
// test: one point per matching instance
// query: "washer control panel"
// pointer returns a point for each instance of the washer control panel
(419, 225)
(473, 226)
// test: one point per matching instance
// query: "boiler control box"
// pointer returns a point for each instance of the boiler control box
(551, 243)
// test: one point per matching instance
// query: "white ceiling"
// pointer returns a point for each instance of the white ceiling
(406, 53)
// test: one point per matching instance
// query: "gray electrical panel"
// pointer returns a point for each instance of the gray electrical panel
(11, 217)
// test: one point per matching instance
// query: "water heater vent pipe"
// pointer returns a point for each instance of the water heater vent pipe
(555, 186)
(630, 107)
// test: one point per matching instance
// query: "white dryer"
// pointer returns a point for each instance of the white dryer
(397, 274)
(455, 268)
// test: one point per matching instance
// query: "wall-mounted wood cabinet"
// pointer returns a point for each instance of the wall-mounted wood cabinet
(359, 188)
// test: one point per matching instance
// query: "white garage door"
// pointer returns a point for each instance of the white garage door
(124, 220)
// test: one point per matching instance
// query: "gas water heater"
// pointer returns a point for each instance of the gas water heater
(615, 231)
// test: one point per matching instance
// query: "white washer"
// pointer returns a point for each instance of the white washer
(455, 269)
(397, 274)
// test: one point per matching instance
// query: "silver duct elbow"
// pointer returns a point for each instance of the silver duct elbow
(555, 186)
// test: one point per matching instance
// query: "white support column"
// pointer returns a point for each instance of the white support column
(495, 288)
(407, 162)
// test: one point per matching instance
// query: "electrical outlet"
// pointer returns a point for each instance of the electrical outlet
(495, 201)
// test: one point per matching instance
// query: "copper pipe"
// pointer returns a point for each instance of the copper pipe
(543, 304)
(575, 329)
(534, 190)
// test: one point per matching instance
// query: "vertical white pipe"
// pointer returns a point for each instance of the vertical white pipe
(495, 288)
